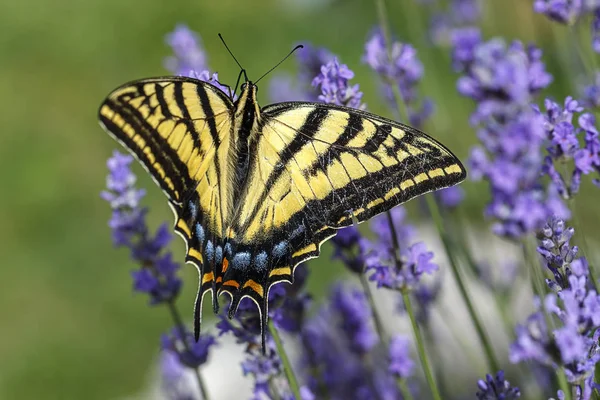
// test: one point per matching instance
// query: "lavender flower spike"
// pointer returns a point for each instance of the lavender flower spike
(496, 388)
(334, 87)
(157, 275)
(402, 69)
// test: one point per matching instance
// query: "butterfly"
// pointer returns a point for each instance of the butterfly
(256, 191)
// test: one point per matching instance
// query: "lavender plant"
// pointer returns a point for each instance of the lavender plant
(564, 146)
(567, 338)
(503, 80)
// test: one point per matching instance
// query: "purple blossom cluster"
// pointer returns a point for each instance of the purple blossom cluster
(569, 12)
(400, 68)
(189, 58)
(380, 255)
(457, 14)
(503, 80)
(332, 83)
(564, 145)
(336, 343)
(310, 60)
(496, 388)
(573, 342)
(157, 275)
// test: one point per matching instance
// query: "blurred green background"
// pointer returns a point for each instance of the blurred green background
(70, 326)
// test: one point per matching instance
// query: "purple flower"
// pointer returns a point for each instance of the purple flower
(310, 60)
(456, 15)
(190, 353)
(354, 318)
(333, 84)
(532, 341)
(381, 264)
(574, 342)
(402, 68)
(177, 381)
(557, 252)
(563, 144)
(496, 388)
(190, 59)
(569, 12)
(451, 197)
(335, 344)
(503, 80)
(563, 11)
(158, 273)
(401, 365)
(188, 52)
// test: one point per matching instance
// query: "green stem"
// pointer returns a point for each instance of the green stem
(563, 384)
(415, 326)
(583, 240)
(404, 390)
(589, 63)
(376, 317)
(487, 346)
(287, 366)
(182, 331)
(420, 346)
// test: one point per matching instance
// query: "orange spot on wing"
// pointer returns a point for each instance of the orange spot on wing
(254, 286)
(233, 283)
(219, 279)
(225, 264)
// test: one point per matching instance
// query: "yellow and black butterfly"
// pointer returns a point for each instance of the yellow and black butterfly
(256, 191)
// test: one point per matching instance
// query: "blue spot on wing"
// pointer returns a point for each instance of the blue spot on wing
(200, 233)
(260, 261)
(241, 261)
(210, 252)
(193, 209)
(228, 250)
(219, 255)
(280, 249)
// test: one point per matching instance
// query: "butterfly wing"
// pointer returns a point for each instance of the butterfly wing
(180, 130)
(316, 168)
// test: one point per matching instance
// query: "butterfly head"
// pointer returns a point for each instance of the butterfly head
(246, 106)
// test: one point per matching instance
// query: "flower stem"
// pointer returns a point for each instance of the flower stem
(181, 327)
(487, 346)
(584, 245)
(413, 320)
(376, 317)
(420, 346)
(404, 390)
(563, 384)
(287, 366)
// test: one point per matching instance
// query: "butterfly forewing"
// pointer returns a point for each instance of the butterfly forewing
(323, 166)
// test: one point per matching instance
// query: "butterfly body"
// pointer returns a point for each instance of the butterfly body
(255, 192)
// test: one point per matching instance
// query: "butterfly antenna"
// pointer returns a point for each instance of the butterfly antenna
(279, 63)
(243, 71)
